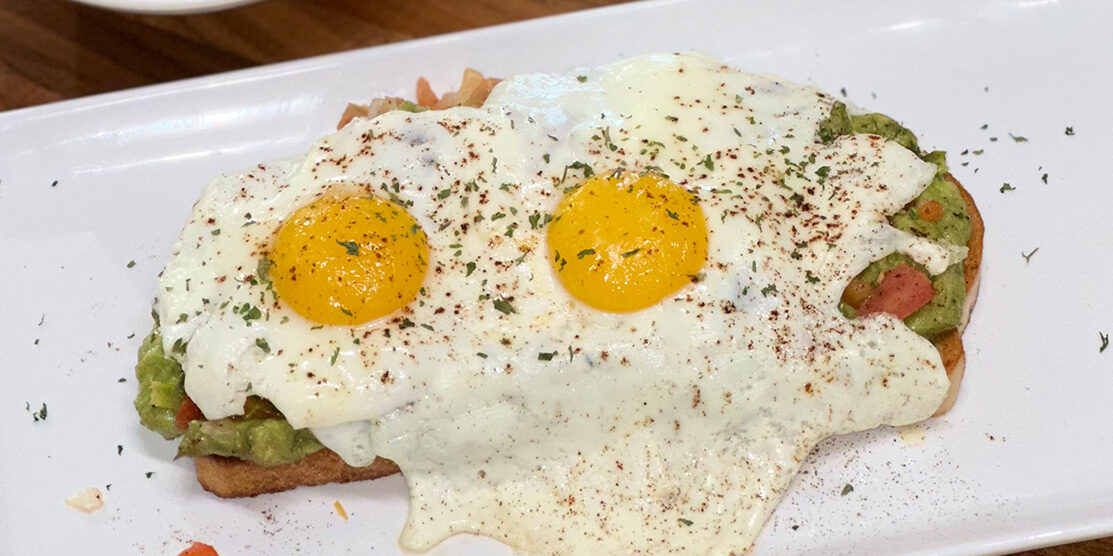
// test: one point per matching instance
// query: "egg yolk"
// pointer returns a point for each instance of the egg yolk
(348, 260)
(623, 242)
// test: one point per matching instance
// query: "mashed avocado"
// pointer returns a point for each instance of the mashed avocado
(941, 314)
(261, 435)
(944, 312)
(263, 441)
(840, 123)
(953, 227)
(160, 388)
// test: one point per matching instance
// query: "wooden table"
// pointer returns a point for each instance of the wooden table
(53, 50)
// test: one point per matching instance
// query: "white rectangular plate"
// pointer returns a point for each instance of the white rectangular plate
(1023, 460)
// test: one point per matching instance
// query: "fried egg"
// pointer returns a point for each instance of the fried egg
(597, 314)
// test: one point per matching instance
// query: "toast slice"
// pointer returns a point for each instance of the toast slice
(236, 478)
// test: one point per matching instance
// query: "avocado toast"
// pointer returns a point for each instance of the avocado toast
(260, 452)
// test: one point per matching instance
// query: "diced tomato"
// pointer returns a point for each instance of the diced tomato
(930, 211)
(856, 292)
(199, 549)
(900, 292)
(187, 412)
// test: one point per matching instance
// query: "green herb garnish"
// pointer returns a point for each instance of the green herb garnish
(351, 246)
(179, 346)
(263, 271)
(248, 311)
(504, 306)
(39, 415)
(534, 220)
(607, 139)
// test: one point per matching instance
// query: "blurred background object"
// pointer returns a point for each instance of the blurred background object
(167, 6)
(57, 49)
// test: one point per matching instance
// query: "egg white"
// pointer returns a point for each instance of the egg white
(553, 426)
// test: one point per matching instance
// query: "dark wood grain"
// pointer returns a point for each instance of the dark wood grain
(54, 50)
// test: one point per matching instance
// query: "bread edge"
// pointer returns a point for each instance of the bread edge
(950, 346)
(235, 478)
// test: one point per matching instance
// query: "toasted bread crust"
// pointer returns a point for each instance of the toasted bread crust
(950, 344)
(973, 260)
(235, 478)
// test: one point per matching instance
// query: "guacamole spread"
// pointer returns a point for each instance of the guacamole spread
(944, 312)
(261, 435)
(161, 388)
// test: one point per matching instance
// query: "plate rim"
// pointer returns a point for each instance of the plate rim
(1047, 535)
(95, 100)
(166, 7)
